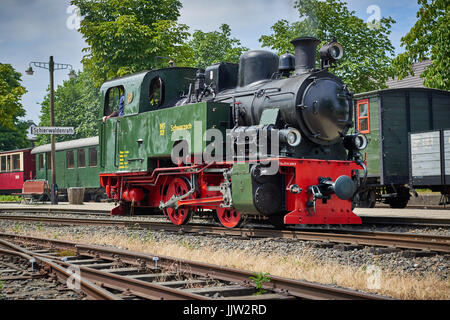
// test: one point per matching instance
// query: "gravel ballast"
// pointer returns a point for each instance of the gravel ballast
(394, 262)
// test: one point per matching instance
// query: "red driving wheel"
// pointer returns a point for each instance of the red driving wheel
(177, 187)
(229, 218)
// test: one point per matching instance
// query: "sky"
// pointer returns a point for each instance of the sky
(33, 30)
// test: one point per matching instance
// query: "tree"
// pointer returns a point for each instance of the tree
(11, 93)
(77, 104)
(212, 47)
(368, 50)
(16, 137)
(126, 36)
(428, 38)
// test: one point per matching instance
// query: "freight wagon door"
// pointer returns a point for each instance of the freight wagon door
(425, 161)
(446, 160)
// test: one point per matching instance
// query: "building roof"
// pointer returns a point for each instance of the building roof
(15, 151)
(73, 144)
(411, 81)
(374, 93)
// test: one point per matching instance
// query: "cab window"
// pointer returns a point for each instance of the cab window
(157, 92)
(112, 99)
(363, 116)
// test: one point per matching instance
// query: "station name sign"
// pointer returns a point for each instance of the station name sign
(52, 130)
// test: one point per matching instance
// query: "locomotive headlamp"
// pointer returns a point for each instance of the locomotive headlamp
(356, 142)
(361, 141)
(333, 51)
(290, 136)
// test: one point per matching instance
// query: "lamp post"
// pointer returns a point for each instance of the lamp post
(52, 66)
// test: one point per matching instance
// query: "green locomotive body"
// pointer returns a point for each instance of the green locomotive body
(147, 131)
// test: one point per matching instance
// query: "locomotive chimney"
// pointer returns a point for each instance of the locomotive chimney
(305, 54)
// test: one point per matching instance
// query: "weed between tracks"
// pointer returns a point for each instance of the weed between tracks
(303, 267)
(10, 199)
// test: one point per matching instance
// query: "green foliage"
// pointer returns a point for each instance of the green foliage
(428, 38)
(16, 137)
(217, 46)
(368, 50)
(187, 244)
(66, 253)
(10, 199)
(11, 93)
(17, 227)
(77, 104)
(260, 279)
(126, 36)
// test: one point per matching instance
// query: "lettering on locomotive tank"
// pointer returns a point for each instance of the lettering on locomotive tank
(181, 127)
(123, 164)
(162, 129)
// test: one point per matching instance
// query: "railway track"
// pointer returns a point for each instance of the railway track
(56, 210)
(408, 241)
(378, 221)
(113, 274)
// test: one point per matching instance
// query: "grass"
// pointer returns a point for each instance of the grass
(426, 191)
(10, 199)
(304, 266)
(66, 253)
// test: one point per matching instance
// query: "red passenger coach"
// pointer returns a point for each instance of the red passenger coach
(15, 167)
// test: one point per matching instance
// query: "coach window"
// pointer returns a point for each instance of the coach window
(41, 161)
(69, 160)
(3, 164)
(16, 162)
(112, 99)
(81, 158)
(363, 112)
(157, 92)
(92, 157)
(49, 160)
(8, 163)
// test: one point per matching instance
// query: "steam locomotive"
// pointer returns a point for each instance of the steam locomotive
(268, 137)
